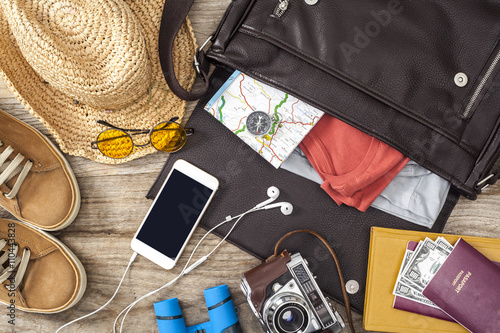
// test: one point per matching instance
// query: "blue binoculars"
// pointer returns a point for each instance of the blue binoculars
(223, 317)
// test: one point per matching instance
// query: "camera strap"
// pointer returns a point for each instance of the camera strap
(344, 292)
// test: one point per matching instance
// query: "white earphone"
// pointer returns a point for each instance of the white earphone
(286, 207)
(273, 192)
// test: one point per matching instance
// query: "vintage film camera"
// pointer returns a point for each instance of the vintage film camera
(284, 296)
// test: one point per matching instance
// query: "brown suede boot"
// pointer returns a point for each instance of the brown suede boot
(47, 278)
(36, 182)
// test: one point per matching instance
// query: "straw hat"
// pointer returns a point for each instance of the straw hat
(73, 62)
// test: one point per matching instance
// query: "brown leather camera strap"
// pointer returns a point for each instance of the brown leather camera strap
(344, 292)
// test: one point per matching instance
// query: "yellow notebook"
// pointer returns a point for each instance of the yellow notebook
(387, 248)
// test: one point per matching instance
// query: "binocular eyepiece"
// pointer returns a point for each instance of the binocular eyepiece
(223, 317)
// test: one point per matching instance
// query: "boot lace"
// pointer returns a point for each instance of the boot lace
(9, 169)
(20, 262)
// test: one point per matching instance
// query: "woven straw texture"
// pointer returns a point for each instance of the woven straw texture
(82, 56)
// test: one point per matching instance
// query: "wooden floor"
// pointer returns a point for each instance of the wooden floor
(114, 204)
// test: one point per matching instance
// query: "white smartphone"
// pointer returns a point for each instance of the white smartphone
(175, 213)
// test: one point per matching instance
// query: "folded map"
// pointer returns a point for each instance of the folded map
(288, 119)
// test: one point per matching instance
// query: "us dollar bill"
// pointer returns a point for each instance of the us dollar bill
(424, 264)
(404, 263)
(401, 281)
(402, 290)
(441, 241)
(401, 278)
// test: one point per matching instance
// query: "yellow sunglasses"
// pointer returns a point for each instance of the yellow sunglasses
(116, 142)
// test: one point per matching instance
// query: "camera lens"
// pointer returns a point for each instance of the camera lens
(291, 318)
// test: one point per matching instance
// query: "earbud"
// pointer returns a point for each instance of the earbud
(273, 193)
(286, 207)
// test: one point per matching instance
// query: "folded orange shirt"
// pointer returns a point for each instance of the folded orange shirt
(354, 166)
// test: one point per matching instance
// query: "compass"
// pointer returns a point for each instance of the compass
(258, 123)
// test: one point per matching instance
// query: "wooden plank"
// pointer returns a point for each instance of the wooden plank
(113, 205)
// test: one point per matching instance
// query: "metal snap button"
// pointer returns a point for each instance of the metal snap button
(352, 286)
(311, 2)
(461, 80)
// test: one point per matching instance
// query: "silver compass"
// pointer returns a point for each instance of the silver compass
(258, 123)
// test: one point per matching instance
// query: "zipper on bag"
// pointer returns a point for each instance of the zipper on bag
(481, 86)
(281, 8)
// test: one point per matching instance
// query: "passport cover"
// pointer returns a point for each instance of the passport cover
(387, 249)
(467, 288)
(244, 178)
(405, 304)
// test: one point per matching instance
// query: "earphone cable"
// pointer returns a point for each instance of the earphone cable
(185, 270)
(132, 258)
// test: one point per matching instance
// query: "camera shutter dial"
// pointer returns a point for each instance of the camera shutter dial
(277, 287)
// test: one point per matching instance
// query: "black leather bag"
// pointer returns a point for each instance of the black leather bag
(244, 178)
(421, 76)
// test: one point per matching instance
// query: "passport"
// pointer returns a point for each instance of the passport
(467, 288)
(387, 250)
(405, 304)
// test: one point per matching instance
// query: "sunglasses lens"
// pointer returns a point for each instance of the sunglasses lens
(168, 137)
(115, 143)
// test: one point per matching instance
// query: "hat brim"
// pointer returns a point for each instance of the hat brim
(73, 124)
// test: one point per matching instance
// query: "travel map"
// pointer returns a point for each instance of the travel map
(291, 118)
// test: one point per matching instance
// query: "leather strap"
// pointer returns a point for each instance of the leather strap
(344, 292)
(174, 15)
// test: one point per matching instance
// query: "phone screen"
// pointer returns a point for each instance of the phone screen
(174, 214)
